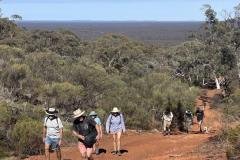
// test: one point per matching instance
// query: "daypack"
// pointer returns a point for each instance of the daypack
(48, 117)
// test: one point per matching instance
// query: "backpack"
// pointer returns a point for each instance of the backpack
(188, 114)
(48, 117)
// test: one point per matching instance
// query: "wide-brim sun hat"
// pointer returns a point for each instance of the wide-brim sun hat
(51, 111)
(115, 110)
(93, 113)
(77, 113)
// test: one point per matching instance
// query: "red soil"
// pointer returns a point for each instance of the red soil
(154, 146)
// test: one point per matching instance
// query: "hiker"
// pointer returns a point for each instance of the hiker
(200, 117)
(95, 117)
(167, 120)
(52, 133)
(115, 125)
(87, 132)
(188, 119)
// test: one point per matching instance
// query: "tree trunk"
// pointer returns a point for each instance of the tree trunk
(217, 83)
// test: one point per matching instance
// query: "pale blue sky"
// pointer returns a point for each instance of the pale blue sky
(113, 10)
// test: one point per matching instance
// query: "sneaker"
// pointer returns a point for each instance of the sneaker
(97, 151)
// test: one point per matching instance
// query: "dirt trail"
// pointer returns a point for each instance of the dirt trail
(154, 146)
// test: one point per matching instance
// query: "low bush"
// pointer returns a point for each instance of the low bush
(27, 137)
(232, 137)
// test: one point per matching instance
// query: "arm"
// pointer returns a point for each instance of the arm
(60, 131)
(44, 133)
(78, 135)
(123, 124)
(98, 131)
(61, 135)
(108, 124)
(101, 131)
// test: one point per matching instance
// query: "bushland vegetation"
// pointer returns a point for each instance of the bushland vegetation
(39, 69)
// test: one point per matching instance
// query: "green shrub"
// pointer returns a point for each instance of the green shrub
(68, 137)
(2, 153)
(27, 137)
(232, 137)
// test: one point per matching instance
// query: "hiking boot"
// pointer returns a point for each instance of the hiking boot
(119, 153)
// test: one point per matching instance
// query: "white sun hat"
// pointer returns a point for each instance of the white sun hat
(77, 113)
(115, 110)
(51, 111)
(93, 113)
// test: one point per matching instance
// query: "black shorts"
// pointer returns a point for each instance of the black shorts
(89, 141)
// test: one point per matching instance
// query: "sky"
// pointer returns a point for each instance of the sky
(114, 10)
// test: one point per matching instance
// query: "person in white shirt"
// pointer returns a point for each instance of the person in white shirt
(167, 120)
(52, 133)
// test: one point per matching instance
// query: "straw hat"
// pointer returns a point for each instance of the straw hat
(51, 111)
(77, 113)
(93, 113)
(115, 110)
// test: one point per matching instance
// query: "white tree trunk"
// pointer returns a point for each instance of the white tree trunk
(217, 83)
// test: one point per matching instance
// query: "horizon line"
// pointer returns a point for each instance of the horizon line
(110, 21)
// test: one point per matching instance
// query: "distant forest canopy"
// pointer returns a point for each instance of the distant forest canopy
(41, 69)
(157, 33)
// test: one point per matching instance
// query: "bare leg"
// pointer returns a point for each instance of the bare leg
(96, 147)
(119, 141)
(82, 149)
(114, 142)
(200, 125)
(89, 153)
(59, 154)
(164, 127)
(47, 154)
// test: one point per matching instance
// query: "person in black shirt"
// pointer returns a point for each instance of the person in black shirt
(200, 117)
(87, 132)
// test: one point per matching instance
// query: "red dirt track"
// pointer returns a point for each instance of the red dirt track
(155, 146)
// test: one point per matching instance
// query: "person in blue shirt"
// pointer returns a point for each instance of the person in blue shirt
(95, 117)
(115, 125)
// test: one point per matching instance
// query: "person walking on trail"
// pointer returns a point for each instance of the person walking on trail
(52, 133)
(95, 117)
(200, 117)
(188, 120)
(87, 132)
(167, 120)
(115, 125)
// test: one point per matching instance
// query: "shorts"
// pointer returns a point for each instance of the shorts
(53, 143)
(166, 124)
(82, 147)
(200, 122)
(87, 144)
